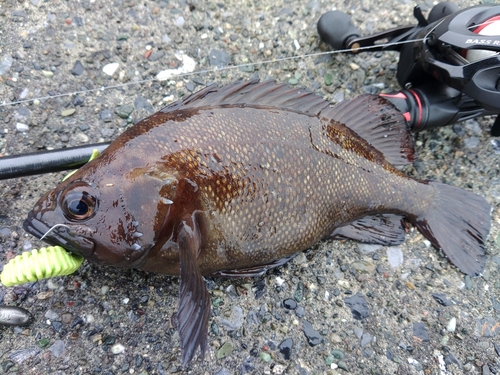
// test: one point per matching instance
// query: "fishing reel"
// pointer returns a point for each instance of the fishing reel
(449, 64)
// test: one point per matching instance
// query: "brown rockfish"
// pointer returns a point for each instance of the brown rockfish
(235, 180)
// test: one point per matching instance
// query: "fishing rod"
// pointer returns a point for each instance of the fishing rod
(449, 68)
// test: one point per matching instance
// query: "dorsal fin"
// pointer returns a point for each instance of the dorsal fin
(378, 122)
(253, 93)
(372, 117)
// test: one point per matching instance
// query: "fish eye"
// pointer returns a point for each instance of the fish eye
(79, 202)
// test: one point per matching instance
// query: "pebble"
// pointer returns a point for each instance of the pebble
(47, 73)
(235, 320)
(285, 348)
(368, 248)
(125, 111)
(366, 339)
(68, 112)
(51, 314)
(299, 292)
(223, 371)
(180, 21)
(394, 256)
(328, 79)
(259, 288)
(106, 115)
(495, 145)
(442, 299)
(224, 350)
(343, 365)
(468, 282)
(57, 348)
(337, 354)
(78, 101)
(190, 86)
(471, 142)
(52, 284)
(313, 337)
(363, 266)
(5, 64)
(20, 127)
(266, 357)
(218, 58)
(300, 312)
(359, 307)
(290, 304)
(157, 55)
(141, 103)
(338, 97)
(117, 349)
(78, 68)
(110, 69)
(420, 332)
(66, 318)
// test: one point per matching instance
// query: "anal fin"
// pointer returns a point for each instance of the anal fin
(194, 300)
(382, 229)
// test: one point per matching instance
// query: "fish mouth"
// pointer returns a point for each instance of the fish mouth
(62, 235)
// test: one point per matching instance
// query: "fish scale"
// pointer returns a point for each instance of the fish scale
(236, 180)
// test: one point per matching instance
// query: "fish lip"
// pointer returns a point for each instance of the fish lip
(69, 240)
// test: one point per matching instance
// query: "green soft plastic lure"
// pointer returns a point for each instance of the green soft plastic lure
(41, 264)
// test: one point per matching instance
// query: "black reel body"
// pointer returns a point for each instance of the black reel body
(449, 67)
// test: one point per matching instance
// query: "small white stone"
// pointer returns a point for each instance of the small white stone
(452, 325)
(22, 127)
(117, 349)
(110, 69)
(279, 281)
(344, 283)
(180, 21)
(52, 285)
(126, 301)
(394, 256)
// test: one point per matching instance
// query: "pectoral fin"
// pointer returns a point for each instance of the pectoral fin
(253, 271)
(383, 229)
(194, 300)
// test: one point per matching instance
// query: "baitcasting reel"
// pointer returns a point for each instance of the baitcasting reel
(449, 67)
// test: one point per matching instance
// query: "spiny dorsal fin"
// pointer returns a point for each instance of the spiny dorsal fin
(253, 93)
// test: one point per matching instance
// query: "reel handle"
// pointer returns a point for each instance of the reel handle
(336, 28)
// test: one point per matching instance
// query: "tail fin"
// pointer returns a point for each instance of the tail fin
(458, 224)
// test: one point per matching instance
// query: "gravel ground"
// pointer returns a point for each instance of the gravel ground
(340, 307)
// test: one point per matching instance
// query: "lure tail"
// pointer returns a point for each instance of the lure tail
(458, 223)
(40, 264)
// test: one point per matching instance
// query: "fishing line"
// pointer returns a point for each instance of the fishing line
(54, 227)
(214, 70)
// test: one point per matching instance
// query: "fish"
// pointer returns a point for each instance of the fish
(232, 181)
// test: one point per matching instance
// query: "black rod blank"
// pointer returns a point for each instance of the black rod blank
(47, 161)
